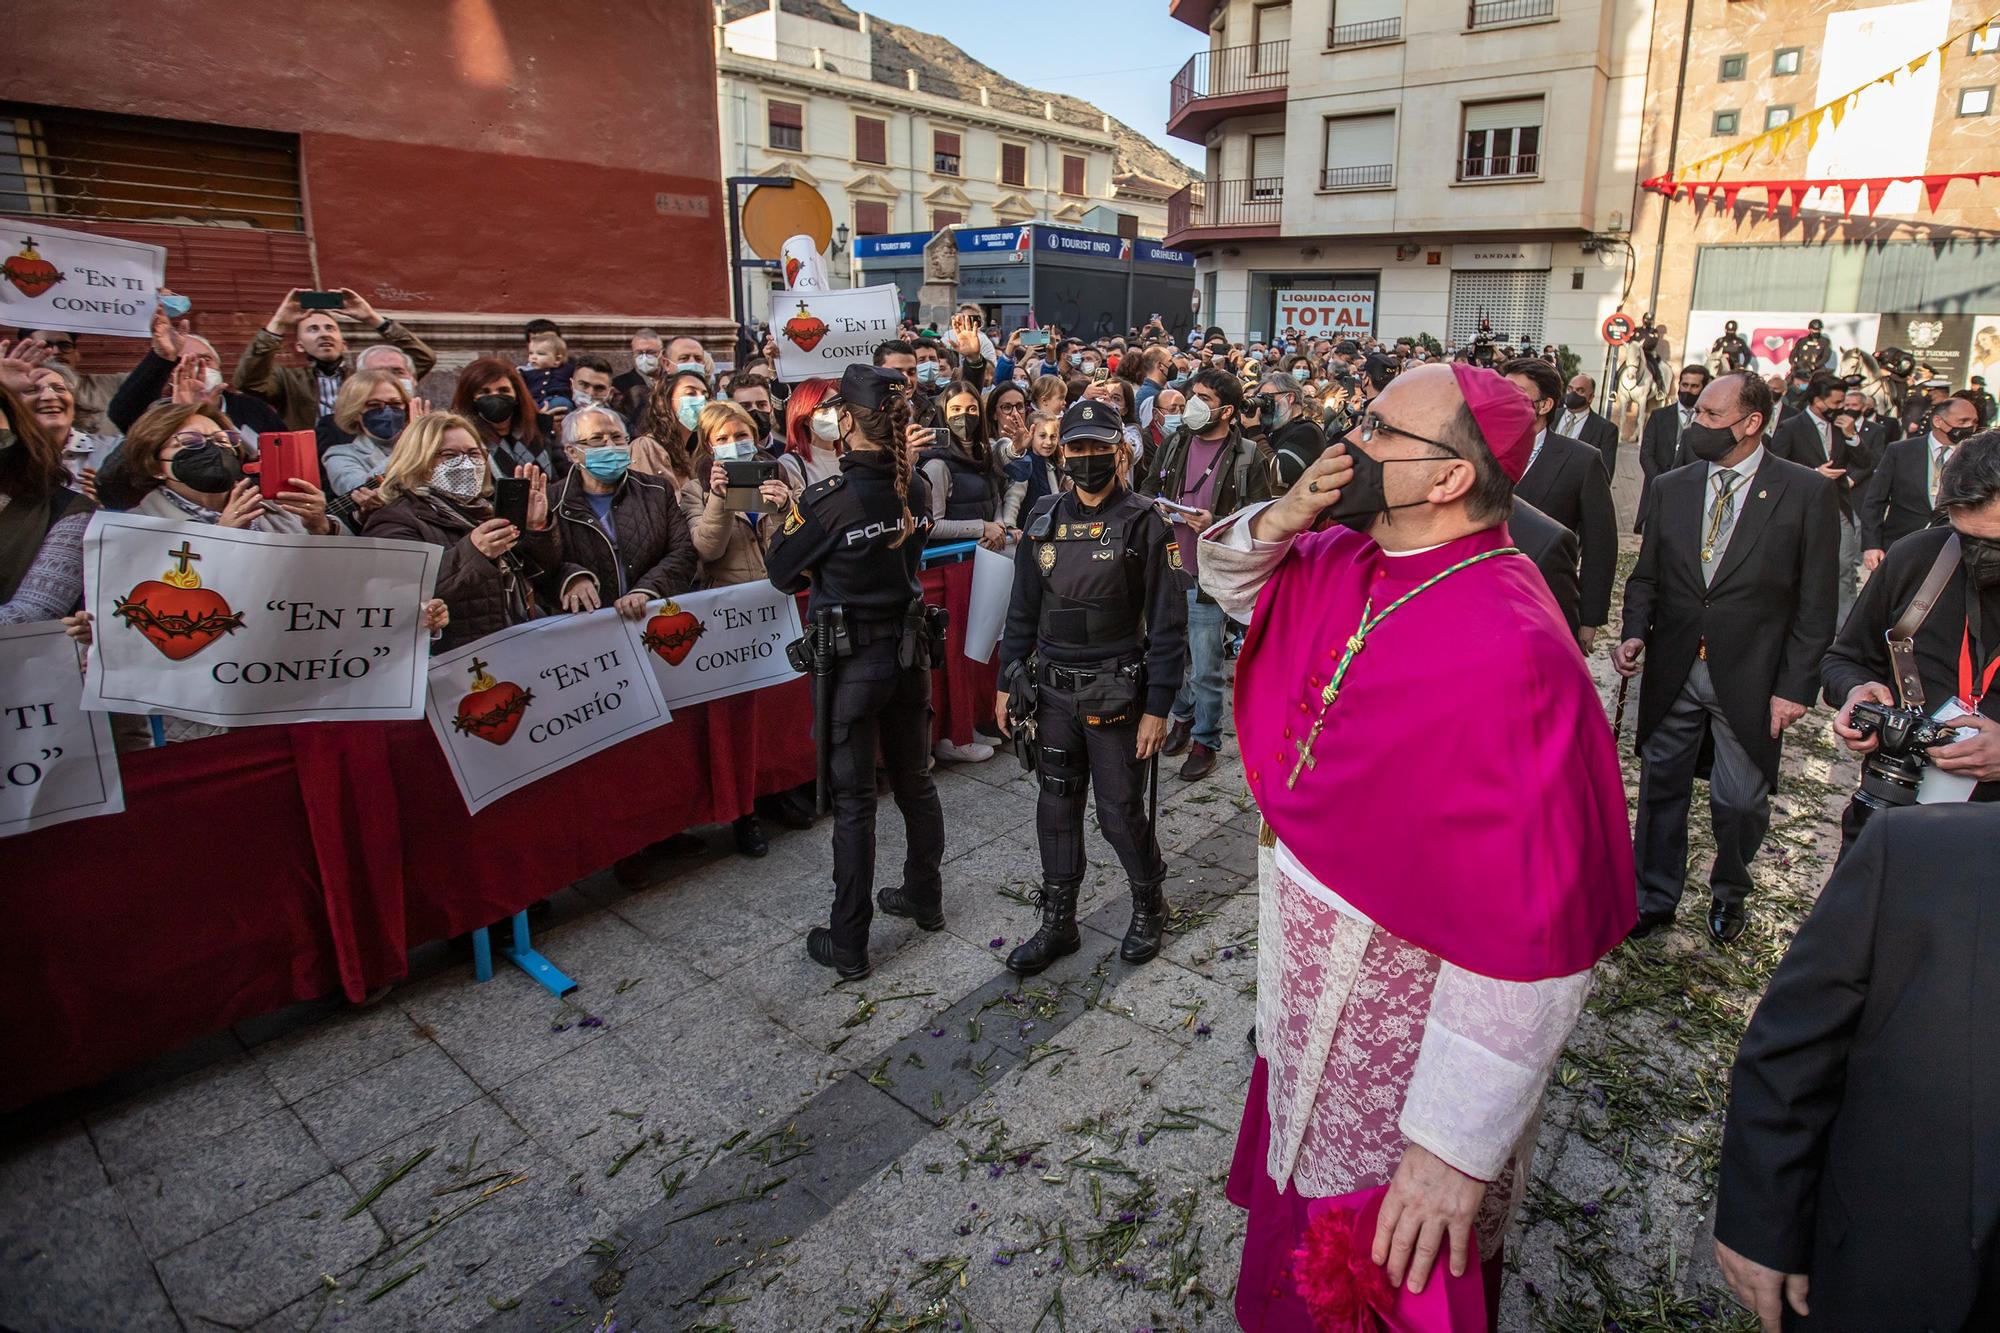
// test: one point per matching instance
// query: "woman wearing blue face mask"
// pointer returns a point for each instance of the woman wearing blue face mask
(665, 443)
(372, 411)
(730, 543)
(624, 539)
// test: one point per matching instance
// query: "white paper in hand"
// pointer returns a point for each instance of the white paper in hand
(1938, 787)
(986, 613)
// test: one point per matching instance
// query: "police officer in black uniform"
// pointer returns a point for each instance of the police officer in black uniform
(856, 540)
(1095, 646)
(1814, 352)
(1733, 348)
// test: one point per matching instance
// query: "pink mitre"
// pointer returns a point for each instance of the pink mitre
(1505, 419)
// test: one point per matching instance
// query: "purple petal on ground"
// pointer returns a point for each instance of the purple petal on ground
(591, 1022)
(996, 941)
(1003, 1259)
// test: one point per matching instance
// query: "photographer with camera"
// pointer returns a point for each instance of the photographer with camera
(1938, 591)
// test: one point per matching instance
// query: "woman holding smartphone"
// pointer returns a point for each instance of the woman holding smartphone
(965, 479)
(729, 542)
(437, 487)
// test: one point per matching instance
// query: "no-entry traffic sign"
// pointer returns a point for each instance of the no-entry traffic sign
(1618, 330)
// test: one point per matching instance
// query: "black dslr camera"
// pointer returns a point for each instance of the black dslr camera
(1890, 774)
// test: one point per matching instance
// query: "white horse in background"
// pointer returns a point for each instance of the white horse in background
(1634, 391)
(1881, 388)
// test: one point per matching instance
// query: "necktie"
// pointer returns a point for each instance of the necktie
(1825, 439)
(1721, 522)
(1937, 470)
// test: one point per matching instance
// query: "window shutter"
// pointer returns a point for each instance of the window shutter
(871, 219)
(871, 140)
(787, 115)
(1504, 115)
(946, 144)
(1267, 155)
(1072, 174)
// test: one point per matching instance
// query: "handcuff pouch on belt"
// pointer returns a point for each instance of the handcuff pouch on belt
(1023, 698)
(1107, 694)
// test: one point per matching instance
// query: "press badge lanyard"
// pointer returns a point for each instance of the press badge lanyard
(1969, 692)
(1201, 481)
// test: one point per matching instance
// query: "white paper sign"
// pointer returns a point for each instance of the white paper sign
(820, 333)
(240, 629)
(78, 281)
(56, 761)
(528, 701)
(705, 645)
(1323, 312)
(992, 590)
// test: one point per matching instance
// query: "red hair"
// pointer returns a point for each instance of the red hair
(806, 397)
(483, 372)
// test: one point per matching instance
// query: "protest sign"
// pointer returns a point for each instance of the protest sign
(56, 761)
(819, 333)
(528, 701)
(238, 628)
(77, 281)
(986, 612)
(705, 645)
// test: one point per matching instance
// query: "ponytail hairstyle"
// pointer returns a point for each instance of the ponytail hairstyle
(887, 429)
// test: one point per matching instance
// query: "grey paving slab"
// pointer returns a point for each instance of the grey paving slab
(77, 1265)
(494, 1030)
(718, 1041)
(268, 1259)
(620, 971)
(360, 1114)
(183, 1198)
(169, 1120)
(712, 921)
(475, 1143)
(46, 1170)
(348, 1042)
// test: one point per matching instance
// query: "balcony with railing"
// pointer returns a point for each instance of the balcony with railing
(1343, 35)
(1225, 210)
(1507, 166)
(1499, 13)
(1379, 176)
(1232, 81)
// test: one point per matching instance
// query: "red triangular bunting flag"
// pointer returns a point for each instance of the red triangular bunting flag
(1848, 189)
(1877, 188)
(1934, 188)
(1729, 193)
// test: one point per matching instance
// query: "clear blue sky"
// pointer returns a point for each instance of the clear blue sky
(1117, 54)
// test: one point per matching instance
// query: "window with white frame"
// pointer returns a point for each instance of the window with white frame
(1502, 139)
(1267, 166)
(1360, 152)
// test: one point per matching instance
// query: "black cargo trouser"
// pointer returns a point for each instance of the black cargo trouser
(1100, 757)
(879, 703)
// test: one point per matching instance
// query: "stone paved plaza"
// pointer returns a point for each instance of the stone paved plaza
(709, 1135)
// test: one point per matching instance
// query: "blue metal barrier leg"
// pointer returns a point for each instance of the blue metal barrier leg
(482, 956)
(522, 954)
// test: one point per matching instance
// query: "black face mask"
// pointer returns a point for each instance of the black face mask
(1710, 443)
(761, 421)
(1688, 400)
(1575, 402)
(1960, 434)
(1091, 472)
(495, 409)
(1364, 496)
(207, 468)
(384, 423)
(1981, 558)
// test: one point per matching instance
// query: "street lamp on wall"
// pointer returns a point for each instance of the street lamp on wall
(840, 235)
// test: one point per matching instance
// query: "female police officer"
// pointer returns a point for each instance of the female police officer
(1097, 636)
(856, 540)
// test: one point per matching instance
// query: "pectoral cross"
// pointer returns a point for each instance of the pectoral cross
(1304, 748)
(1355, 643)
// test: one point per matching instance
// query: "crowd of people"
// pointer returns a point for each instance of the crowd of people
(1800, 540)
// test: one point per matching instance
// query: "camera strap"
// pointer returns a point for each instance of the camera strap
(1973, 683)
(1902, 634)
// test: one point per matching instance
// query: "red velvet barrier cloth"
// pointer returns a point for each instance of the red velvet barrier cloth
(279, 864)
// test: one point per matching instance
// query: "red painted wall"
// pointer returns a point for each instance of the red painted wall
(460, 156)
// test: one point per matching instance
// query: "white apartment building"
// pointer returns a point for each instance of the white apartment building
(901, 150)
(1453, 158)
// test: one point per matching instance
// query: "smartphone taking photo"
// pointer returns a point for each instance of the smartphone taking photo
(510, 501)
(743, 481)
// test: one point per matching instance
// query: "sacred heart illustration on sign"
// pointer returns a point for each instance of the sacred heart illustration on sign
(29, 272)
(492, 709)
(805, 329)
(175, 613)
(672, 633)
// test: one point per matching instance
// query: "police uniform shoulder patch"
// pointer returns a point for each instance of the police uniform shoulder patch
(794, 520)
(1174, 558)
(1045, 556)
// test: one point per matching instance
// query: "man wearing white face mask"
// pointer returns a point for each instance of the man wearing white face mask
(629, 388)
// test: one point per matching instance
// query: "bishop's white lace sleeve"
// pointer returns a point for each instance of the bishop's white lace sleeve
(1488, 1047)
(1234, 566)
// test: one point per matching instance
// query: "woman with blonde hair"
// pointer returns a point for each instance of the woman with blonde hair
(437, 487)
(730, 543)
(371, 409)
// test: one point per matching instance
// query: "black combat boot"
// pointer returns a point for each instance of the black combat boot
(1057, 936)
(1149, 922)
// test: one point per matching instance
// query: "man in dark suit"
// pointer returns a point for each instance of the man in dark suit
(1859, 1155)
(1732, 604)
(1959, 640)
(1811, 438)
(1660, 440)
(1902, 495)
(1553, 549)
(1581, 421)
(629, 390)
(1566, 480)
